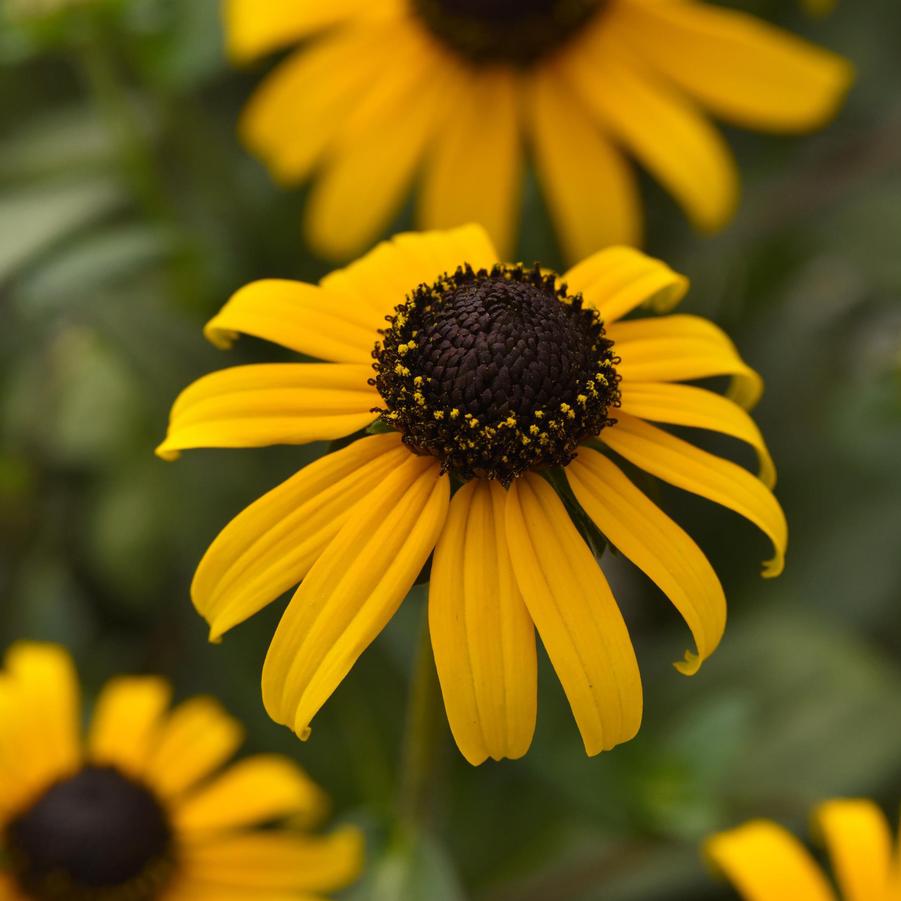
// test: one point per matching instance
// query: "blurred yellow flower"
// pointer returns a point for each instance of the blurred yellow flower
(765, 862)
(449, 91)
(139, 809)
(491, 378)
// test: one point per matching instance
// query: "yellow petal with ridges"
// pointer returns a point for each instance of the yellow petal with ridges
(474, 172)
(599, 206)
(576, 615)
(682, 348)
(698, 408)
(641, 531)
(254, 791)
(305, 318)
(744, 70)
(860, 846)
(353, 590)
(197, 738)
(618, 279)
(270, 403)
(692, 469)
(767, 863)
(270, 546)
(482, 635)
(126, 718)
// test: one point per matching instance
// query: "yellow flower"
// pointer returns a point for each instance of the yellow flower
(138, 810)
(765, 862)
(454, 90)
(488, 378)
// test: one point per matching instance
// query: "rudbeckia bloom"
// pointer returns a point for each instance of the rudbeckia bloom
(139, 810)
(453, 92)
(511, 389)
(765, 862)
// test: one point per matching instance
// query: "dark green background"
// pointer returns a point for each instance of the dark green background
(129, 212)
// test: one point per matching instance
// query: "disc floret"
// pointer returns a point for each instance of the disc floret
(495, 372)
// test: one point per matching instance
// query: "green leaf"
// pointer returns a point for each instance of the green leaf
(33, 219)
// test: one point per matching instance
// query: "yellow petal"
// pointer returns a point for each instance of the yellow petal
(575, 613)
(670, 137)
(126, 718)
(767, 863)
(589, 187)
(619, 279)
(196, 739)
(253, 28)
(859, 840)
(695, 407)
(474, 172)
(321, 84)
(301, 317)
(682, 348)
(271, 403)
(278, 861)
(257, 790)
(393, 269)
(642, 532)
(8, 889)
(353, 590)
(482, 635)
(45, 701)
(744, 70)
(692, 469)
(270, 546)
(364, 183)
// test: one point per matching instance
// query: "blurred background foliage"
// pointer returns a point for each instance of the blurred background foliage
(129, 212)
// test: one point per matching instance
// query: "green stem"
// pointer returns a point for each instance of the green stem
(424, 739)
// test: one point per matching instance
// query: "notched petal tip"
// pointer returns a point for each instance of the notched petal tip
(775, 567)
(690, 664)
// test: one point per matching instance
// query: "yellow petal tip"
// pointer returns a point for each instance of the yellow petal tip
(166, 453)
(690, 664)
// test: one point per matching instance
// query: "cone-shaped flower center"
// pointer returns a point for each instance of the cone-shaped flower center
(514, 31)
(495, 372)
(97, 836)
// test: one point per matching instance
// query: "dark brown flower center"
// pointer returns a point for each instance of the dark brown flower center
(495, 372)
(96, 836)
(505, 31)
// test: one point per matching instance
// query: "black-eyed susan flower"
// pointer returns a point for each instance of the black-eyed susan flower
(515, 391)
(765, 862)
(140, 809)
(455, 92)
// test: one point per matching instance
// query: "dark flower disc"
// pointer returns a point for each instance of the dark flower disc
(496, 372)
(511, 31)
(96, 836)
